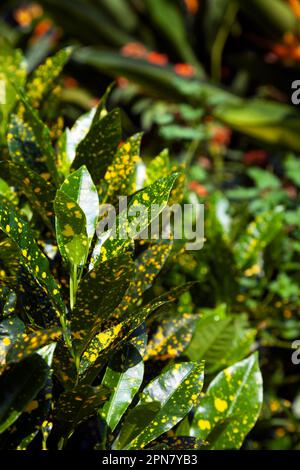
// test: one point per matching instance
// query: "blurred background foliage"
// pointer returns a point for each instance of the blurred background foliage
(210, 80)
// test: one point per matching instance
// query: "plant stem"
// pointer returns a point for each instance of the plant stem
(73, 285)
(221, 38)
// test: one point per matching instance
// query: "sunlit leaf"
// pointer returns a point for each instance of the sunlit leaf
(175, 391)
(76, 208)
(234, 395)
(124, 375)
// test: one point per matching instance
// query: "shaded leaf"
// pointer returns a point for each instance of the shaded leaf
(77, 405)
(40, 193)
(99, 293)
(29, 141)
(25, 345)
(18, 387)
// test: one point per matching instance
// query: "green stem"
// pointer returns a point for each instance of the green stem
(73, 285)
(220, 41)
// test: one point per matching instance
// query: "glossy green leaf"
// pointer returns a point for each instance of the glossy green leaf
(12, 70)
(143, 208)
(234, 395)
(124, 375)
(18, 387)
(76, 208)
(176, 391)
(99, 146)
(34, 260)
(70, 139)
(100, 291)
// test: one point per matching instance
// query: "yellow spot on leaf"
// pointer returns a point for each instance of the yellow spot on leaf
(221, 405)
(68, 231)
(204, 425)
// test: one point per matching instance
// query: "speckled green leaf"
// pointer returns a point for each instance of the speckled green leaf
(158, 167)
(12, 71)
(131, 223)
(76, 208)
(18, 387)
(43, 78)
(113, 336)
(29, 141)
(120, 176)
(258, 235)
(100, 291)
(34, 260)
(148, 265)
(124, 376)
(25, 345)
(33, 302)
(10, 328)
(77, 405)
(64, 366)
(234, 395)
(176, 391)
(177, 443)
(40, 193)
(172, 335)
(98, 148)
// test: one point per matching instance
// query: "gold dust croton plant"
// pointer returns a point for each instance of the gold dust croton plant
(84, 349)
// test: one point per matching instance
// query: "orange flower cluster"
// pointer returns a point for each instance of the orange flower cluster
(139, 51)
(221, 135)
(27, 13)
(198, 188)
(289, 49)
(192, 6)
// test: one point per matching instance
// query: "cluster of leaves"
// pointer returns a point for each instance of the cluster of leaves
(249, 183)
(84, 345)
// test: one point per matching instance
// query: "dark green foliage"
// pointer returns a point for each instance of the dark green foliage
(78, 306)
